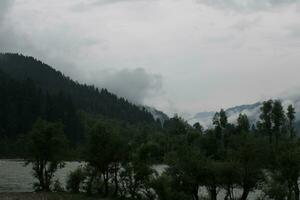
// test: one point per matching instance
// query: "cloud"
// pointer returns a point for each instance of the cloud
(136, 85)
(245, 24)
(66, 49)
(87, 5)
(7, 35)
(247, 5)
(207, 52)
(4, 7)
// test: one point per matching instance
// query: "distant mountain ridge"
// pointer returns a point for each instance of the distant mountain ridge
(252, 111)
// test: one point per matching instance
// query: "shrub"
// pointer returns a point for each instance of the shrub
(75, 179)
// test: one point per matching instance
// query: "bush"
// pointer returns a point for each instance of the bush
(57, 187)
(75, 179)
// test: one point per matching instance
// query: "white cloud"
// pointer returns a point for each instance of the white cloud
(135, 85)
(248, 5)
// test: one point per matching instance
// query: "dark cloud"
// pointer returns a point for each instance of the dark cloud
(133, 84)
(242, 5)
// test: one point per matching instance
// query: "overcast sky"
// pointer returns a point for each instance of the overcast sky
(180, 56)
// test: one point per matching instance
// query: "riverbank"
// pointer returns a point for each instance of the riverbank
(46, 196)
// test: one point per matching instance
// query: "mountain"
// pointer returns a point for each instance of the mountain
(87, 98)
(252, 111)
(22, 103)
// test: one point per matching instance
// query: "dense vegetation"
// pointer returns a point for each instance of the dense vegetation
(86, 98)
(227, 161)
(22, 103)
(30, 90)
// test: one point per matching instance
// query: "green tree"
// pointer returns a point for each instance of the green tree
(220, 119)
(290, 119)
(278, 119)
(288, 167)
(135, 181)
(221, 124)
(212, 179)
(197, 126)
(243, 123)
(265, 125)
(75, 179)
(46, 150)
(228, 177)
(103, 151)
(250, 163)
(187, 170)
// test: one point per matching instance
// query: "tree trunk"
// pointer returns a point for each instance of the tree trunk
(41, 175)
(105, 179)
(228, 194)
(116, 180)
(213, 193)
(290, 188)
(245, 194)
(296, 189)
(195, 193)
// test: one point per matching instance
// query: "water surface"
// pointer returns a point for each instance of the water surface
(16, 177)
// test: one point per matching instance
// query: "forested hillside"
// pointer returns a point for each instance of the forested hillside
(87, 98)
(31, 90)
(22, 103)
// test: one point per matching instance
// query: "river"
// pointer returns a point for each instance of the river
(16, 177)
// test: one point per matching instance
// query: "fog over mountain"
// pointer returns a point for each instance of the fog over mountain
(251, 110)
(177, 56)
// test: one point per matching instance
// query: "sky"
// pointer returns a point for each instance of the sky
(180, 56)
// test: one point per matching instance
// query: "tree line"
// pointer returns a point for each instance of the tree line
(228, 161)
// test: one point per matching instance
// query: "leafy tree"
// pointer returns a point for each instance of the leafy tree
(212, 179)
(243, 123)
(46, 149)
(223, 118)
(197, 126)
(187, 170)
(288, 167)
(135, 181)
(278, 118)
(229, 177)
(266, 119)
(176, 126)
(103, 152)
(250, 164)
(164, 190)
(75, 180)
(290, 119)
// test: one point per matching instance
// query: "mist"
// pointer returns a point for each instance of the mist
(177, 56)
